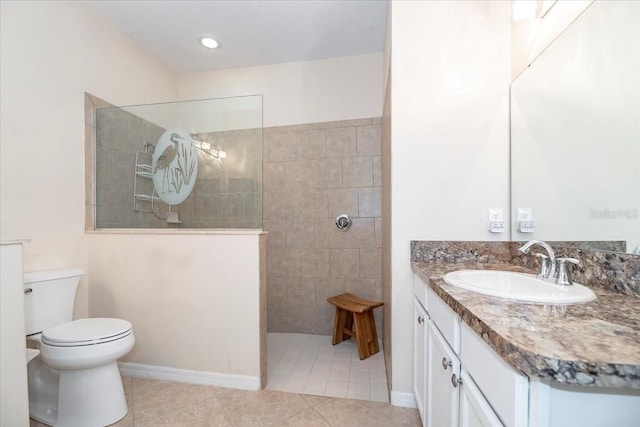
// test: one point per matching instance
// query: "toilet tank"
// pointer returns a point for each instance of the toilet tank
(49, 298)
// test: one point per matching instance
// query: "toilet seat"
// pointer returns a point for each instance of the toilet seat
(84, 332)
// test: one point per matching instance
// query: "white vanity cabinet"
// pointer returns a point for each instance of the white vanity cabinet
(443, 390)
(504, 387)
(454, 397)
(491, 392)
(474, 408)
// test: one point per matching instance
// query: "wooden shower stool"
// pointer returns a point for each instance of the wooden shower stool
(354, 318)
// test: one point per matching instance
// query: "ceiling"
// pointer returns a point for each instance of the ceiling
(250, 32)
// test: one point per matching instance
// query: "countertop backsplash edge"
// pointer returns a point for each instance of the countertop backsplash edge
(615, 272)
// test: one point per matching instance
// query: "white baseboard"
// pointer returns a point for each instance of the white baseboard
(139, 370)
(405, 400)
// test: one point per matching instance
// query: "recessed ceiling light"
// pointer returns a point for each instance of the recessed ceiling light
(209, 42)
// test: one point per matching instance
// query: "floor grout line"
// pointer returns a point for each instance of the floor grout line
(295, 414)
(322, 416)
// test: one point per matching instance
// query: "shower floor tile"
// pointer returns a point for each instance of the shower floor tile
(310, 364)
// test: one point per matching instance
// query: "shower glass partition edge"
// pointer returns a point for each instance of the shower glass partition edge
(187, 165)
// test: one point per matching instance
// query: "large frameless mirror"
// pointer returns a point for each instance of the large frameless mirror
(575, 134)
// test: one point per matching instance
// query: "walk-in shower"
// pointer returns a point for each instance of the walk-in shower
(198, 165)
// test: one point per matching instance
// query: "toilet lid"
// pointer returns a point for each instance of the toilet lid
(86, 332)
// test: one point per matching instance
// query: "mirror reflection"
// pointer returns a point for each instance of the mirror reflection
(575, 123)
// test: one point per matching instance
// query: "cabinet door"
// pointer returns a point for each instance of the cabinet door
(505, 388)
(420, 358)
(443, 391)
(474, 409)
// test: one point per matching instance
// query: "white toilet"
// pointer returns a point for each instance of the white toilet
(75, 380)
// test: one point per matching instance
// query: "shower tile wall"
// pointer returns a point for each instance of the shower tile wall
(227, 193)
(119, 134)
(311, 174)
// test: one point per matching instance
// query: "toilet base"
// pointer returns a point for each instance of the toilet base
(85, 398)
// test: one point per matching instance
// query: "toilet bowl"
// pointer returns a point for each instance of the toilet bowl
(75, 381)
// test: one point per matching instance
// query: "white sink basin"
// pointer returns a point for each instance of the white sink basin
(518, 286)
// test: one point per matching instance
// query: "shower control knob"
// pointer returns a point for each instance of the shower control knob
(343, 222)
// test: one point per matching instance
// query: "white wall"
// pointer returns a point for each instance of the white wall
(299, 92)
(450, 74)
(52, 52)
(193, 299)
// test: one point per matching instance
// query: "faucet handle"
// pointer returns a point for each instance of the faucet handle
(545, 266)
(564, 276)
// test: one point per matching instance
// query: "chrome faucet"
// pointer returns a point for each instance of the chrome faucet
(547, 262)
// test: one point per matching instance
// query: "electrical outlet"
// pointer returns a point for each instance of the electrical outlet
(524, 217)
(496, 220)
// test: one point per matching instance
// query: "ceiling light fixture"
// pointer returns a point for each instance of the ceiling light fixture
(209, 42)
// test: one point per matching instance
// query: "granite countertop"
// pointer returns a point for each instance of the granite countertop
(591, 344)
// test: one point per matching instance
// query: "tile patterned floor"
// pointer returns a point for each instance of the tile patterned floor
(310, 364)
(311, 383)
(170, 404)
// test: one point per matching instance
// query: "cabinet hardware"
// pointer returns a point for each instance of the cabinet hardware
(455, 380)
(420, 319)
(445, 363)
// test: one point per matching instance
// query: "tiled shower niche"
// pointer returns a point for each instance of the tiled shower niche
(227, 139)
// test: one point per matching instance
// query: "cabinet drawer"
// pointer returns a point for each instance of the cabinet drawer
(506, 389)
(445, 319)
(420, 290)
